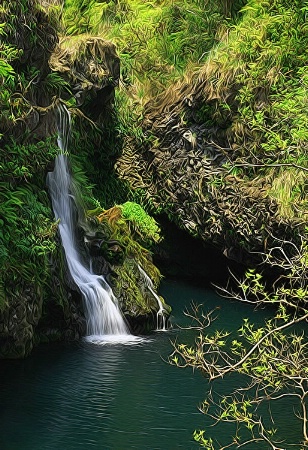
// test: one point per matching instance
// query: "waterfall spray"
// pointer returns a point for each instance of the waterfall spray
(103, 316)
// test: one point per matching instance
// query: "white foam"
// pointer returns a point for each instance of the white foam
(112, 339)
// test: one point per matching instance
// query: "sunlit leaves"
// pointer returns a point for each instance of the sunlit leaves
(140, 222)
(271, 359)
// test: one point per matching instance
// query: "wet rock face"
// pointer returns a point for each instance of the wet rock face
(18, 323)
(62, 322)
(193, 259)
(28, 320)
(120, 267)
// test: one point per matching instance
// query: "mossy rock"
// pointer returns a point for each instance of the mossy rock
(91, 67)
(130, 269)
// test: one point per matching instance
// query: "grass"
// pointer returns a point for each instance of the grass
(289, 188)
(155, 40)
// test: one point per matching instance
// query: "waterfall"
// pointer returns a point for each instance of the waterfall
(103, 316)
(161, 319)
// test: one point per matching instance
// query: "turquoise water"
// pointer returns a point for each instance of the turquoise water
(116, 397)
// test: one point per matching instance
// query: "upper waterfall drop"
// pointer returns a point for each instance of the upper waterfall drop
(104, 319)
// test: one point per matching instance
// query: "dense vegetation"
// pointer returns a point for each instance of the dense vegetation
(35, 296)
(209, 126)
(27, 229)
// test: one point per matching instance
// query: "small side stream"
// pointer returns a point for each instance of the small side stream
(115, 397)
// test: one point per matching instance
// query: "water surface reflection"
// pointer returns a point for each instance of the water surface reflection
(113, 397)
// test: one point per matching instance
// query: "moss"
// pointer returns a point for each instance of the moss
(289, 190)
(134, 298)
(143, 224)
(128, 256)
(218, 144)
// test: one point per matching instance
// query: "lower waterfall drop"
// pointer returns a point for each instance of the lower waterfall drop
(161, 319)
(105, 322)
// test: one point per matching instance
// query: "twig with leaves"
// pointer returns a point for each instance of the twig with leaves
(272, 358)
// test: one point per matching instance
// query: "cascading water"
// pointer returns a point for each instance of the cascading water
(161, 319)
(104, 318)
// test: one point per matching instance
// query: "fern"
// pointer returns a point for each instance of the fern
(54, 83)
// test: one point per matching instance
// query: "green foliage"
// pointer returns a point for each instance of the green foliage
(127, 231)
(181, 22)
(156, 44)
(81, 16)
(156, 40)
(83, 189)
(27, 40)
(289, 190)
(265, 57)
(93, 153)
(27, 229)
(7, 76)
(6, 72)
(20, 162)
(54, 84)
(253, 66)
(142, 223)
(26, 235)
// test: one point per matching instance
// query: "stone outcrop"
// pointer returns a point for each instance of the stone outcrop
(19, 321)
(194, 169)
(30, 37)
(91, 67)
(118, 252)
(30, 318)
